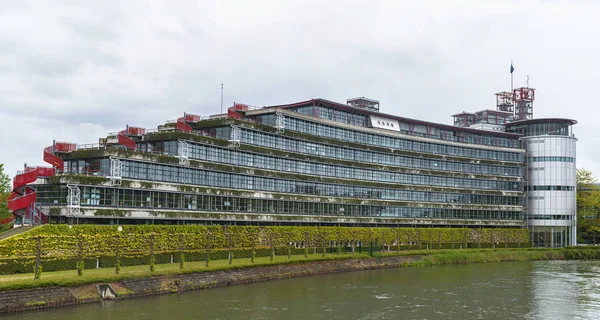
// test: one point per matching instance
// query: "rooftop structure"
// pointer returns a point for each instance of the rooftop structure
(550, 179)
(364, 103)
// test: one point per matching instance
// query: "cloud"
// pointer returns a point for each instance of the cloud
(72, 70)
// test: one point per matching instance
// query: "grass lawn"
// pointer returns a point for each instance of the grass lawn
(70, 278)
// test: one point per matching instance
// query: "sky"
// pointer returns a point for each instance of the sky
(77, 70)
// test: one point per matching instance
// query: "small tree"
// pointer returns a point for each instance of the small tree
(151, 245)
(588, 203)
(80, 255)
(37, 269)
(254, 239)
(208, 239)
(230, 244)
(117, 258)
(181, 254)
(324, 241)
(289, 244)
(271, 243)
(5, 189)
(305, 244)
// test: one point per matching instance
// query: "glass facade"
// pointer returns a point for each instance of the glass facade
(274, 141)
(385, 141)
(549, 159)
(140, 170)
(435, 132)
(555, 127)
(161, 200)
(334, 115)
(255, 160)
(430, 131)
(298, 171)
(347, 188)
(550, 188)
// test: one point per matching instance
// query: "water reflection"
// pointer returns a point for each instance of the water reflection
(565, 290)
(533, 290)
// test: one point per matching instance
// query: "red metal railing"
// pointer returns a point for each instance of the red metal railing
(17, 202)
(62, 147)
(238, 110)
(53, 159)
(135, 131)
(124, 140)
(22, 199)
(182, 126)
(188, 117)
(24, 178)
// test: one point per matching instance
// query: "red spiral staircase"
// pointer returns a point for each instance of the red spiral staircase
(23, 197)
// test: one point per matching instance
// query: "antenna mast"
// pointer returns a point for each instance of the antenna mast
(221, 98)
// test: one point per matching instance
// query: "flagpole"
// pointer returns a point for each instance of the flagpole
(512, 92)
(511, 76)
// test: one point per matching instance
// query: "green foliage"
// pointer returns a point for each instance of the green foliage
(5, 227)
(59, 242)
(588, 206)
(588, 195)
(80, 179)
(146, 185)
(5, 189)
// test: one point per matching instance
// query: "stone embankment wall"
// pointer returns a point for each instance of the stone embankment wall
(22, 300)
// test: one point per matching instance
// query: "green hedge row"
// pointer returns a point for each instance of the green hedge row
(63, 240)
(26, 264)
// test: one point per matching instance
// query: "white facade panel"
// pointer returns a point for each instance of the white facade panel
(385, 123)
(550, 185)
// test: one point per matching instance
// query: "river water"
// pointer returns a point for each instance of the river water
(507, 290)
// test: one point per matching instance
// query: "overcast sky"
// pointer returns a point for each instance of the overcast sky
(76, 70)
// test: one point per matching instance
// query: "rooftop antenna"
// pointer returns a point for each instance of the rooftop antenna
(221, 98)
(527, 82)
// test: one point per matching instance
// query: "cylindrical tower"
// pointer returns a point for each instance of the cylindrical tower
(550, 180)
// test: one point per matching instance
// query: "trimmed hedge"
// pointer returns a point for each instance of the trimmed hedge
(25, 264)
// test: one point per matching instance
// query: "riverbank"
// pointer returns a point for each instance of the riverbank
(194, 277)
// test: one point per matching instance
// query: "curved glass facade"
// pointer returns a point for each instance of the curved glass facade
(541, 127)
(551, 180)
